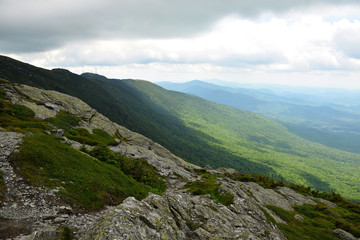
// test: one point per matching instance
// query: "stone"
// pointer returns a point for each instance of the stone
(343, 235)
(299, 217)
(293, 197)
(49, 233)
(59, 220)
(57, 132)
(207, 167)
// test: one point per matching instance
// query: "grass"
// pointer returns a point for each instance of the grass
(86, 182)
(64, 120)
(14, 117)
(269, 218)
(287, 216)
(139, 169)
(319, 221)
(83, 136)
(208, 185)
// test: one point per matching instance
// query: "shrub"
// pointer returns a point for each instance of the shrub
(64, 120)
(139, 168)
(287, 216)
(85, 137)
(22, 112)
(207, 185)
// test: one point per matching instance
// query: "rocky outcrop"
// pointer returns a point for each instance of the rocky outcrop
(46, 103)
(343, 235)
(181, 216)
(174, 215)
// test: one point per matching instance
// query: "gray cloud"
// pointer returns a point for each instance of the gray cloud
(38, 25)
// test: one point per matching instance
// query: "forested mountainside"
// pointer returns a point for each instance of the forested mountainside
(327, 116)
(62, 163)
(203, 132)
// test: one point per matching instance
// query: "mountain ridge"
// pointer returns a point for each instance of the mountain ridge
(208, 133)
(192, 206)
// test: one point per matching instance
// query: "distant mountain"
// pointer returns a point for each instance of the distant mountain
(340, 122)
(200, 131)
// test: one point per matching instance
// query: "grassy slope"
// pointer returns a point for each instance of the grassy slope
(204, 132)
(86, 182)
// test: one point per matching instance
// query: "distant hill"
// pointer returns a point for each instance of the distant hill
(200, 131)
(321, 121)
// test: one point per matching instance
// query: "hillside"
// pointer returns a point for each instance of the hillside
(309, 113)
(62, 162)
(203, 132)
(259, 139)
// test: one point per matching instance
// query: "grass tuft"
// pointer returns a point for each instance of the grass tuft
(319, 221)
(85, 137)
(208, 185)
(64, 120)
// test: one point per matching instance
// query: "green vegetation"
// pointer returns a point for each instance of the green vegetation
(14, 117)
(22, 112)
(208, 185)
(139, 168)
(263, 141)
(269, 218)
(64, 120)
(319, 221)
(287, 216)
(82, 180)
(311, 114)
(203, 132)
(83, 136)
(88, 183)
(65, 233)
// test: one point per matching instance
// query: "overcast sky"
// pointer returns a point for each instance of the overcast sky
(306, 42)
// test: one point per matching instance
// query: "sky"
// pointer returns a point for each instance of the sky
(290, 42)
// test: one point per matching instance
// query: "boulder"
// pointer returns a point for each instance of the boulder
(343, 235)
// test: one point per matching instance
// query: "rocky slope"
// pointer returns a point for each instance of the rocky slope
(36, 213)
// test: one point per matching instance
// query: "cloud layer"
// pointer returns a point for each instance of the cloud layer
(38, 25)
(165, 40)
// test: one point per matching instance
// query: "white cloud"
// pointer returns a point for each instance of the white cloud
(41, 25)
(302, 42)
(347, 38)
